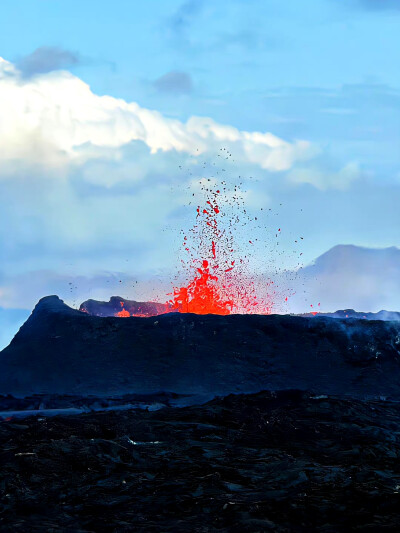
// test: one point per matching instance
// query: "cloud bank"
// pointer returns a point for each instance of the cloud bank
(55, 119)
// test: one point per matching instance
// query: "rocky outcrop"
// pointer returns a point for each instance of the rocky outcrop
(119, 306)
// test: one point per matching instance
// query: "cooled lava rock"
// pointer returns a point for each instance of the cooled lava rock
(60, 350)
(120, 305)
(279, 462)
(351, 313)
(321, 455)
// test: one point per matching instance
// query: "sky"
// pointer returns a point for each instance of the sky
(109, 110)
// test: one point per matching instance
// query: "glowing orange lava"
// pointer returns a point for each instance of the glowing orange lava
(123, 312)
(216, 285)
(202, 295)
(145, 310)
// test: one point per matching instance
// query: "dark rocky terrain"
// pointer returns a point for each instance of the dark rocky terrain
(54, 404)
(60, 350)
(351, 313)
(116, 304)
(318, 450)
(279, 462)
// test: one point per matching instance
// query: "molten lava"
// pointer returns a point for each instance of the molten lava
(123, 312)
(145, 309)
(202, 295)
(217, 282)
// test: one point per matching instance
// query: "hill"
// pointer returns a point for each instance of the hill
(64, 351)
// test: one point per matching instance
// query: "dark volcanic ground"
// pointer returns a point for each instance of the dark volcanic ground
(324, 457)
(63, 351)
(279, 462)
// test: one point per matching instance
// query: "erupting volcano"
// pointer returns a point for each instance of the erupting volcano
(219, 261)
(217, 279)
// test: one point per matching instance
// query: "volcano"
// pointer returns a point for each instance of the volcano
(309, 437)
(60, 350)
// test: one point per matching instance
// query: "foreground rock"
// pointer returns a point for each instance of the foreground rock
(53, 404)
(274, 462)
(63, 351)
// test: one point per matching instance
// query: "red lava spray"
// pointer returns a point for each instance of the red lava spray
(217, 281)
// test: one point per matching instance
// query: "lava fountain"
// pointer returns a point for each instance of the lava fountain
(219, 261)
(217, 281)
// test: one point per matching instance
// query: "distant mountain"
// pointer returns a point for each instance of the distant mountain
(65, 351)
(350, 277)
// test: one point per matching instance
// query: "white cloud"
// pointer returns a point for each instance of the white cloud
(54, 119)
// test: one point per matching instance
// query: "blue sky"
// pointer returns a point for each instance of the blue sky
(81, 200)
(228, 48)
